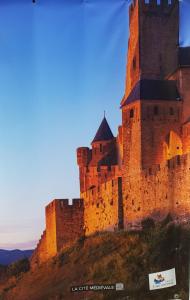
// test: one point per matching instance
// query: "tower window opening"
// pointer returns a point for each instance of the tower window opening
(171, 111)
(148, 112)
(155, 110)
(147, 1)
(169, 2)
(158, 2)
(134, 63)
(100, 147)
(131, 114)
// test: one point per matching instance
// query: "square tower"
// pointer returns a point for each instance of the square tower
(153, 41)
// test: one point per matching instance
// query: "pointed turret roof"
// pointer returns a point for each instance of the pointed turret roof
(104, 132)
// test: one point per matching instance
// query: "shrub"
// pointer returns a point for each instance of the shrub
(168, 219)
(18, 267)
(147, 223)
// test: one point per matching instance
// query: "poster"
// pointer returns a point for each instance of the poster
(94, 149)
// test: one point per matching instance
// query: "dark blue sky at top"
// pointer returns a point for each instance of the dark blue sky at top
(62, 63)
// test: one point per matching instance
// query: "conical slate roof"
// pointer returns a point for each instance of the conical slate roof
(104, 132)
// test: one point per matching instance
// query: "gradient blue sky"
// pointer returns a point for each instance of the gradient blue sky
(62, 63)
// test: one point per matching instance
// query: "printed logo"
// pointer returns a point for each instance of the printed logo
(98, 287)
(162, 279)
(159, 278)
(119, 286)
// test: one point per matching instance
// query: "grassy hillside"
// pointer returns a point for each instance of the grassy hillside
(107, 257)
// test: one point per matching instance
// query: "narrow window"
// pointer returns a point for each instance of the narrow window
(171, 111)
(148, 111)
(100, 147)
(155, 110)
(134, 63)
(131, 113)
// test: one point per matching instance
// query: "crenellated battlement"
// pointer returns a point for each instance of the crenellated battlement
(173, 163)
(153, 6)
(98, 170)
(109, 187)
(158, 6)
(64, 203)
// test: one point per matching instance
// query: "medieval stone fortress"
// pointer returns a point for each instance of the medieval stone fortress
(145, 170)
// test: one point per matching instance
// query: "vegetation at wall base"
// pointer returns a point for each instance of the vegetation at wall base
(108, 257)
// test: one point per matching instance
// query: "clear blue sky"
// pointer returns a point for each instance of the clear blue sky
(62, 63)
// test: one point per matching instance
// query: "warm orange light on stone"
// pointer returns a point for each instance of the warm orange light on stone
(145, 170)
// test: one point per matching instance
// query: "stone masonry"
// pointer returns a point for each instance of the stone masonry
(145, 170)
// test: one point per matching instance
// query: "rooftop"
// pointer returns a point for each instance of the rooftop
(148, 89)
(104, 132)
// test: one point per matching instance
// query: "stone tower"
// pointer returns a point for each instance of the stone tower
(153, 41)
(151, 107)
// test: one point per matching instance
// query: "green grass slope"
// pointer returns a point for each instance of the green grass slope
(106, 257)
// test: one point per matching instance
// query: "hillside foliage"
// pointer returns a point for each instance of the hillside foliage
(111, 257)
